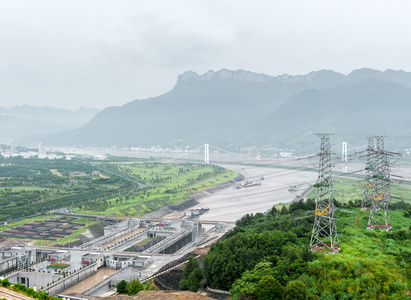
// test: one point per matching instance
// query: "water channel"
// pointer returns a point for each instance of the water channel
(88, 282)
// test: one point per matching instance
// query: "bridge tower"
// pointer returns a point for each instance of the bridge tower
(344, 157)
(324, 235)
(207, 154)
(369, 176)
(379, 213)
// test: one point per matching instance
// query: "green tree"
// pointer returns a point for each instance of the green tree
(246, 285)
(273, 211)
(191, 265)
(268, 288)
(134, 286)
(5, 283)
(296, 290)
(121, 287)
(284, 210)
(194, 280)
(192, 276)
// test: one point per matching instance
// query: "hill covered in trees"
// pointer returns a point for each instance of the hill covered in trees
(267, 257)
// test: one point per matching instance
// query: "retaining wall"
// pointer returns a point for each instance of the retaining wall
(142, 248)
(104, 284)
(99, 242)
(161, 246)
(33, 279)
(73, 279)
(8, 265)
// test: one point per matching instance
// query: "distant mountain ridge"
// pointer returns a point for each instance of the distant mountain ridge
(12, 128)
(247, 76)
(351, 110)
(26, 120)
(234, 108)
(67, 118)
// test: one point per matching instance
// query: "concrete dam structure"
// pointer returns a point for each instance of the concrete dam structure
(58, 269)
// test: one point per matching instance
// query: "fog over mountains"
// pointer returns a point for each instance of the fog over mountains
(240, 108)
(26, 120)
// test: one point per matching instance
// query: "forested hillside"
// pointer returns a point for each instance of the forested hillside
(267, 257)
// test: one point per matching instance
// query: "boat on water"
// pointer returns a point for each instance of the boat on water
(248, 183)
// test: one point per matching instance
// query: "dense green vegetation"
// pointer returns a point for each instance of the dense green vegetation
(30, 186)
(266, 252)
(168, 184)
(134, 286)
(34, 186)
(20, 288)
(192, 276)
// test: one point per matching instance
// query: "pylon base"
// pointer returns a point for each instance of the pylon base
(381, 226)
(326, 247)
(366, 207)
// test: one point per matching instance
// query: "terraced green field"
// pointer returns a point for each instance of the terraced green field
(168, 184)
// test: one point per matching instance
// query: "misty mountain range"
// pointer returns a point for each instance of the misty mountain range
(238, 108)
(21, 121)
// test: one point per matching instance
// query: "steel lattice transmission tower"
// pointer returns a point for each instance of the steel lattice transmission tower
(369, 176)
(380, 214)
(324, 236)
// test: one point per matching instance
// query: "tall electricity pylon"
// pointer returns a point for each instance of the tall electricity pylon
(369, 176)
(324, 236)
(380, 214)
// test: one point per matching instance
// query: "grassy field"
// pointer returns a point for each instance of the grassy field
(71, 238)
(203, 185)
(31, 186)
(58, 266)
(145, 241)
(25, 221)
(109, 188)
(346, 189)
(169, 184)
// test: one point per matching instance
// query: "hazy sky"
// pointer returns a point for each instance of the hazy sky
(99, 53)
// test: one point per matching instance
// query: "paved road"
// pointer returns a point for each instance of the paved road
(231, 204)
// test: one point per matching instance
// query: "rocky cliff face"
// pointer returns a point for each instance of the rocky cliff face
(239, 75)
(246, 76)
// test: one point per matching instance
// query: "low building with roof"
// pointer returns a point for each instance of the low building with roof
(92, 257)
